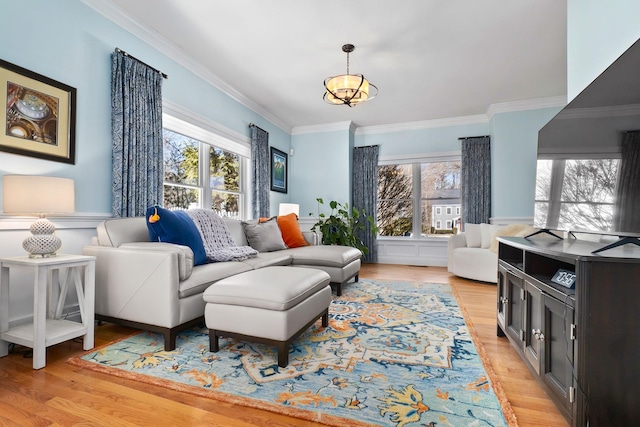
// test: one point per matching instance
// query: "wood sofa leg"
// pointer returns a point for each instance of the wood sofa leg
(325, 318)
(339, 289)
(356, 278)
(170, 340)
(283, 354)
(213, 341)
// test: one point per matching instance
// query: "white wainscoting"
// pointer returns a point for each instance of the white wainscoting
(425, 252)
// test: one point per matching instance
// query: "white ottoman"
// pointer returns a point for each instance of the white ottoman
(271, 305)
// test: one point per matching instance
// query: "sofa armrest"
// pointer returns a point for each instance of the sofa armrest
(455, 241)
(311, 237)
(185, 254)
(136, 284)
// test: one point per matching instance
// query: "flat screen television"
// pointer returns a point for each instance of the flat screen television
(588, 165)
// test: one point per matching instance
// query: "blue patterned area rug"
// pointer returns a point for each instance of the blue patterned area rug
(394, 354)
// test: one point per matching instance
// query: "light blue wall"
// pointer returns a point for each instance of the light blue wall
(514, 144)
(598, 32)
(69, 42)
(321, 167)
(420, 141)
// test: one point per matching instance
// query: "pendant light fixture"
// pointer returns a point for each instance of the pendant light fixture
(348, 89)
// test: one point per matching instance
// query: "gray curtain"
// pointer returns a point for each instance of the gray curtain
(626, 215)
(476, 180)
(365, 193)
(260, 172)
(136, 123)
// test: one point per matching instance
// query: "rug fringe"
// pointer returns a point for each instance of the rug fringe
(507, 410)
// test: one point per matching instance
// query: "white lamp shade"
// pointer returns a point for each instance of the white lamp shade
(41, 195)
(287, 208)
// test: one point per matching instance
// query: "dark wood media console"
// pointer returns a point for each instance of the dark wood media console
(582, 343)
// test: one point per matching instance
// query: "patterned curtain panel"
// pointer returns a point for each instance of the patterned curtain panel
(136, 121)
(260, 172)
(365, 193)
(626, 214)
(476, 180)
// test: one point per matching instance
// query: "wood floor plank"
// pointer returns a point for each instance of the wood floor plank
(64, 395)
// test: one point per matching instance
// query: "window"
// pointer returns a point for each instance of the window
(408, 194)
(199, 174)
(575, 193)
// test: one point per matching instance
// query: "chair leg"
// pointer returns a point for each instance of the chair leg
(325, 319)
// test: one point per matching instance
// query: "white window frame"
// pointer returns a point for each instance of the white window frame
(418, 159)
(209, 133)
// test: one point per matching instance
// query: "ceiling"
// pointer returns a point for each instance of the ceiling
(430, 59)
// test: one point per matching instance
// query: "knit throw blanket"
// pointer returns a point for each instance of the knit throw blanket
(216, 238)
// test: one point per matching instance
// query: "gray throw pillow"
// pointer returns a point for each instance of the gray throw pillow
(264, 236)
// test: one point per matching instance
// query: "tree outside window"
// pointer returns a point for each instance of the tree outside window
(184, 188)
(428, 192)
(575, 194)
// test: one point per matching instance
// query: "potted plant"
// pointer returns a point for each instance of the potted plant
(342, 225)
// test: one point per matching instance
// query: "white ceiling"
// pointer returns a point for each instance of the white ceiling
(431, 59)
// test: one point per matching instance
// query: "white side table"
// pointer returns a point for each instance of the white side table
(49, 329)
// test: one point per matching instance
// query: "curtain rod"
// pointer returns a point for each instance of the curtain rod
(142, 62)
(471, 137)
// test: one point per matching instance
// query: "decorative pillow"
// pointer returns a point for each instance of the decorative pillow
(264, 236)
(290, 230)
(474, 235)
(488, 232)
(175, 227)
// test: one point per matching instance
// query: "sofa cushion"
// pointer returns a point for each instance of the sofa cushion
(264, 236)
(266, 259)
(114, 232)
(175, 227)
(205, 275)
(474, 235)
(290, 230)
(325, 255)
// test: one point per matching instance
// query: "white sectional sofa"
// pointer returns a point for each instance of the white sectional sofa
(473, 254)
(155, 286)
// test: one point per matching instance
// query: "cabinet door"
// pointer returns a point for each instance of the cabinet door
(557, 361)
(514, 315)
(533, 326)
(502, 300)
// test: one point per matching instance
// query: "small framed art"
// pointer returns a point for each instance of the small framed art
(39, 115)
(279, 170)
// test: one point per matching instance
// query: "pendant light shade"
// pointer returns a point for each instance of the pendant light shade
(348, 89)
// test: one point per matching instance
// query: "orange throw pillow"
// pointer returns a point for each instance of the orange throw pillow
(290, 230)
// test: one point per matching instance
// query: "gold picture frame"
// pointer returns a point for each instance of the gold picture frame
(39, 118)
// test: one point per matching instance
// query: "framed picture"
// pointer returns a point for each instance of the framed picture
(39, 118)
(279, 170)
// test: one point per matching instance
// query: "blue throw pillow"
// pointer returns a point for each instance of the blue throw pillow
(175, 227)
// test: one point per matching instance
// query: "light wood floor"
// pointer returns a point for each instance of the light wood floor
(64, 395)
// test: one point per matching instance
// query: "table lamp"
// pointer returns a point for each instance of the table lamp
(39, 196)
(287, 208)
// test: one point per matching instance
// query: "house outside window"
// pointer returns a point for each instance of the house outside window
(414, 197)
(198, 174)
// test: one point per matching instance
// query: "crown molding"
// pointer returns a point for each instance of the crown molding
(327, 127)
(114, 14)
(529, 104)
(423, 124)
